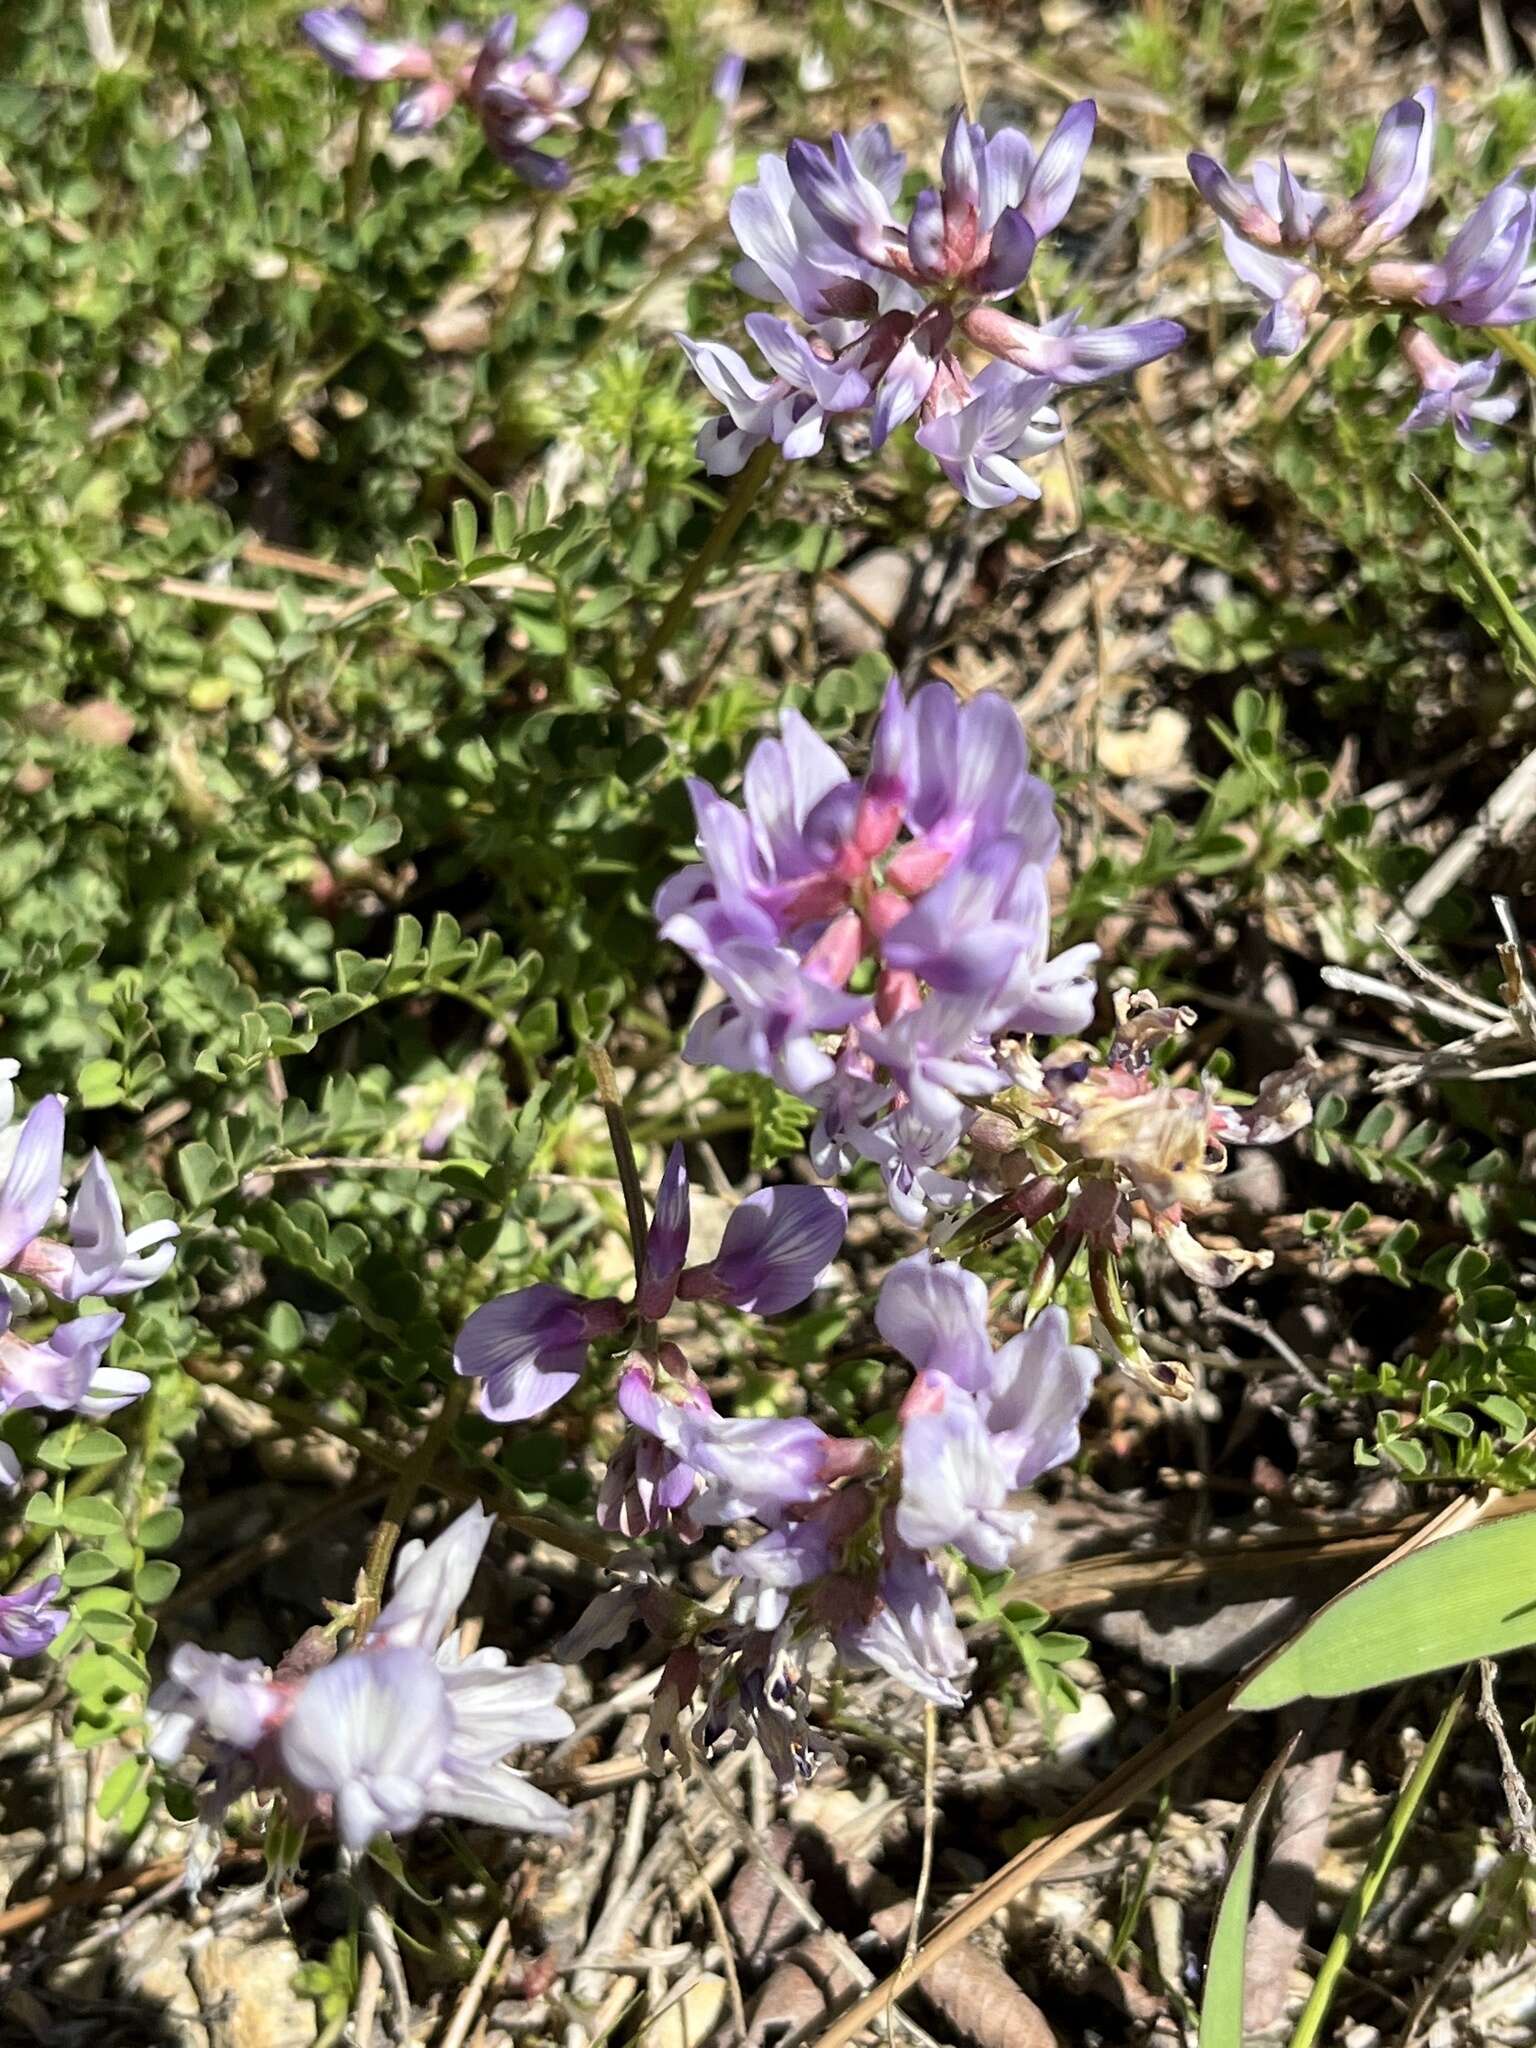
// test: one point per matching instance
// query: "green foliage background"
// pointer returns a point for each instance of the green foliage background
(294, 868)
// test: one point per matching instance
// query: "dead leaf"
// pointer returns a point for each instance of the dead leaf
(1299, 1835)
(971, 1989)
(790, 2001)
(761, 1920)
(688, 2021)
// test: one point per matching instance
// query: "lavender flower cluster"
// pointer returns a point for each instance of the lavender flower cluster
(1302, 256)
(403, 1724)
(682, 1462)
(60, 1370)
(874, 938)
(885, 305)
(849, 1554)
(882, 945)
(518, 97)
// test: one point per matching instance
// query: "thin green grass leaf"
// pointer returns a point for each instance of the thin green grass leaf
(1383, 1856)
(1465, 1597)
(1221, 2009)
(1520, 627)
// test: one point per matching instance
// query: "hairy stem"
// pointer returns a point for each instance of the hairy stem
(732, 517)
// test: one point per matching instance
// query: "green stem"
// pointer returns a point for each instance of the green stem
(402, 1498)
(732, 517)
(356, 189)
(357, 171)
(1315, 2012)
(35, 1536)
(623, 1152)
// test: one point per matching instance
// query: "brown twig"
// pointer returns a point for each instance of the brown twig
(457, 2031)
(93, 1891)
(1522, 1815)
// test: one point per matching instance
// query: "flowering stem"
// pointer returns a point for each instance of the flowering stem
(732, 516)
(356, 188)
(402, 1498)
(623, 1149)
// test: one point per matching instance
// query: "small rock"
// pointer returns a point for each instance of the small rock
(248, 1995)
(876, 587)
(1084, 1728)
(152, 1967)
(1159, 748)
(690, 2021)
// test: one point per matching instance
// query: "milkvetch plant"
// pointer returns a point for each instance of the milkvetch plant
(1304, 256)
(504, 1041)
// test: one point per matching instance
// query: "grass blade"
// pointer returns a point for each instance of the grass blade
(1445, 1605)
(1383, 1856)
(1520, 627)
(1221, 2007)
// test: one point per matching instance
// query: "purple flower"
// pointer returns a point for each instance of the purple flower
(106, 1259)
(797, 1554)
(400, 1727)
(911, 1633)
(1397, 177)
(29, 1621)
(1485, 277)
(1274, 210)
(884, 302)
(837, 1571)
(1067, 354)
(776, 1246)
(519, 99)
(641, 141)
(530, 1348)
(690, 1464)
(369, 1733)
(63, 1372)
(213, 1698)
(788, 255)
(930, 872)
(341, 36)
(431, 1583)
(790, 408)
(1295, 254)
(909, 1151)
(980, 444)
(103, 1258)
(725, 82)
(1454, 392)
(1291, 290)
(978, 1425)
(32, 1178)
(768, 1023)
(666, 1246)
